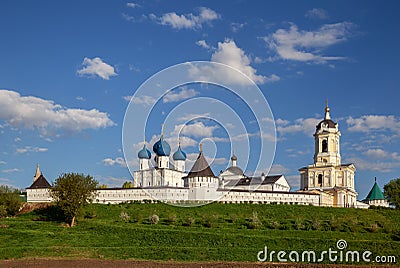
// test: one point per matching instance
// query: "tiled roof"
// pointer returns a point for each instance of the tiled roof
(200, 168)
(40, 183)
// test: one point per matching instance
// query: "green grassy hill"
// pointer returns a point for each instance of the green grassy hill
(230, 232)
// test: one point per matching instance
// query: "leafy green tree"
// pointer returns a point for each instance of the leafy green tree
(392, 192)
(10, 202)
(127, 184)
(71, 191)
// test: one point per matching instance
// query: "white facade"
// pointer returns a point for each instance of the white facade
(327, 174)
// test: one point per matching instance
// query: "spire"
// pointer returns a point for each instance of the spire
(327, 115)
(201, 148)
(37, 173)
(162, 131)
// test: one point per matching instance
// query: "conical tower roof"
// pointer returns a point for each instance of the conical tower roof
(201, 168)
(375, 193)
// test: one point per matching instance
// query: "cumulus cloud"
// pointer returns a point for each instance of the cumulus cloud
(377, 166)
(197, 129)
(10, 170)
(230, 54)
(381, 154)
(143, 100)
(272, 78)
(305, 125)
(132, 5)
(3, 162)
(30, 149)
(96, 67)
(119, 161)
(33, 112)
(203, 44)
(187, 21)
(183, 94)
(278, 169)
(368, 123)
(306, 46)
(317, 13)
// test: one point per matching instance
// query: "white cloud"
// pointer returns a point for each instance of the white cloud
(368, 123)
(187, 21)
(17, 139)
(10, 170)
(144, 100)
(197, 129)
(183, 94)
(79, 98)
(272, 78)
(32, 112)
(117, 161)
(377, 166)
(317, 13)
(30, 149)
(203, 44)
(381, 154)
(305, 125)
(278, 169)
(230, 54)
(305, 46)
(132, 5)
(191, 158)
(96, 66)
(111, 181)
(3, 162)
(189, 117)
(235, 26)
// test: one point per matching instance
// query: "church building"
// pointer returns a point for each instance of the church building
(327, 175)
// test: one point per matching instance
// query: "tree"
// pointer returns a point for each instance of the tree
(392, 192)
(71, 191)
(10, 202)
(127, 184)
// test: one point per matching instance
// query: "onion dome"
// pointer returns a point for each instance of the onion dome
(144, 153)
(233, 158)
(179, 154)
(327, 122)
(161, 147)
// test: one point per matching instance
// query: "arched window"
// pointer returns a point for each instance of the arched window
(325, 146)
(320, 179)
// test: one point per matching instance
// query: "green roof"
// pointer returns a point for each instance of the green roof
(375, 193)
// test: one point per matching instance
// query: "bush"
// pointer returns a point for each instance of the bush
(274, 225)
(209, 221)
(189, 221)
(316, 224)
(255, 222)
(124, 216)
(154, 219)
(171, 219)
(10, 202)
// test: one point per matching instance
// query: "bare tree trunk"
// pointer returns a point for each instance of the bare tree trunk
(72, 224)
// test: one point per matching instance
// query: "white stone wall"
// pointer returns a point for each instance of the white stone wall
(38, 195)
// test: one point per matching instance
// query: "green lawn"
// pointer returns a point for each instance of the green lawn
(230, 232)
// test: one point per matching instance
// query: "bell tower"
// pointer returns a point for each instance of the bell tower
(327, 141)
(327, 175)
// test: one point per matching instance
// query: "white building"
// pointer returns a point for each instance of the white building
(327, 175)
(326, 182)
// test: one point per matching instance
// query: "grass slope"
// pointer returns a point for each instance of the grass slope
(227, 232)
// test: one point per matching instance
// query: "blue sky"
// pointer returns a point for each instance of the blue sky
(68, 70)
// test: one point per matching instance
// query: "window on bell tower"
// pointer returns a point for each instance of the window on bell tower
(325, 146)
(320, 179)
